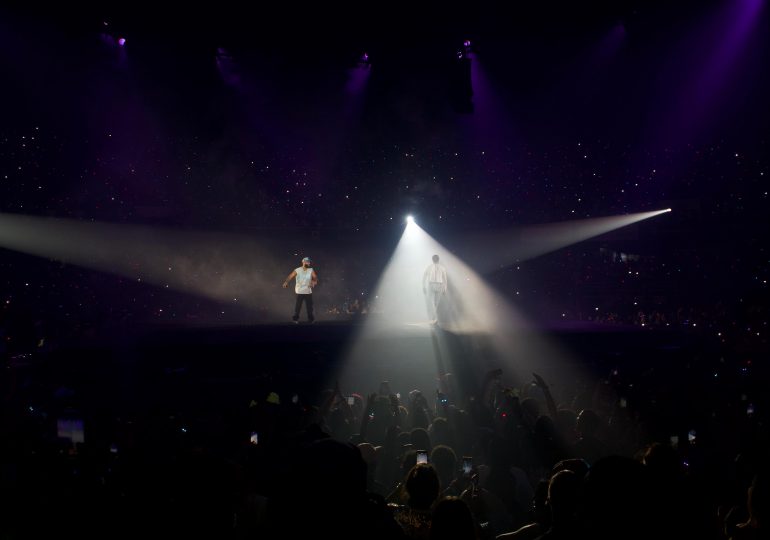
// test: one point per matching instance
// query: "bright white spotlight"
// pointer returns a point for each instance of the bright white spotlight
(410, 219)
(668, 209)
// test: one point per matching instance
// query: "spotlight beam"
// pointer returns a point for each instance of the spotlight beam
(477, 327)
(491, 251)
(219, 266)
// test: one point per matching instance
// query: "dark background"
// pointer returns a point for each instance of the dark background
(584, 110)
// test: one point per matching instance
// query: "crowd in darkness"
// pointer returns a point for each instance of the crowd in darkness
(250, 128)
(460, 462)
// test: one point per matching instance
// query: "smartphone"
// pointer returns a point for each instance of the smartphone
(254, 439)
(422, 456)
(295, 398)
(351, 400)
(750, 409)
(467, 465)
(691, 435)
(623, 403)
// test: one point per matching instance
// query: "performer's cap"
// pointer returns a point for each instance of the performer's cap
(306, 259)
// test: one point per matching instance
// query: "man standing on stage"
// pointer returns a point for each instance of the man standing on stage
(303, 286)
(434, 285)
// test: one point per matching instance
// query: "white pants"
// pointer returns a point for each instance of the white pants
(434, 294)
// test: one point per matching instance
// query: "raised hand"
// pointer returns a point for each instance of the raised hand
(539, 381)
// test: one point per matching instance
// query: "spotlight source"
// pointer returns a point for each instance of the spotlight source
(410, 219)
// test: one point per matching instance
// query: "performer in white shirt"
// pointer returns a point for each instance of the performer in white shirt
(434, 286)
(306, 279)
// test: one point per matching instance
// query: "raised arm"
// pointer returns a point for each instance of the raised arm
(289, 278)
(365, 416)
(549, 401)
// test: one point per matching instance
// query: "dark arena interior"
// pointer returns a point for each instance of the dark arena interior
(387, 270)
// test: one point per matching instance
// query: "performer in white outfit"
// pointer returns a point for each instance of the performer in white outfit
(306, 279)
(434, 286)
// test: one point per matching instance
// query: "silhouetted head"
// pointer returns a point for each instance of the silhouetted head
(578, 466)
(563, 496)
(422, 485)
(531, 409)
(435, 258)
(439, 431)
(420, 439)
(544, 427)
(444, 460)
(368, 453)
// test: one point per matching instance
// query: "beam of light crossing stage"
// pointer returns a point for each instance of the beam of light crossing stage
(223, 267)
(478, 329)
(498, 249)
(471, 305)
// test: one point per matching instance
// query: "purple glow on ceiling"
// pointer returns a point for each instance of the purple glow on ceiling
(356, 82)
(716, 50)
(490, 126)
(613, 40)
(736, 26)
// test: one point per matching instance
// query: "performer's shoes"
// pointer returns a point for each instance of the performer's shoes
(295, 322)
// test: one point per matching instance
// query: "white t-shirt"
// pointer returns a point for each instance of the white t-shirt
(302, 283)
(435, 273)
